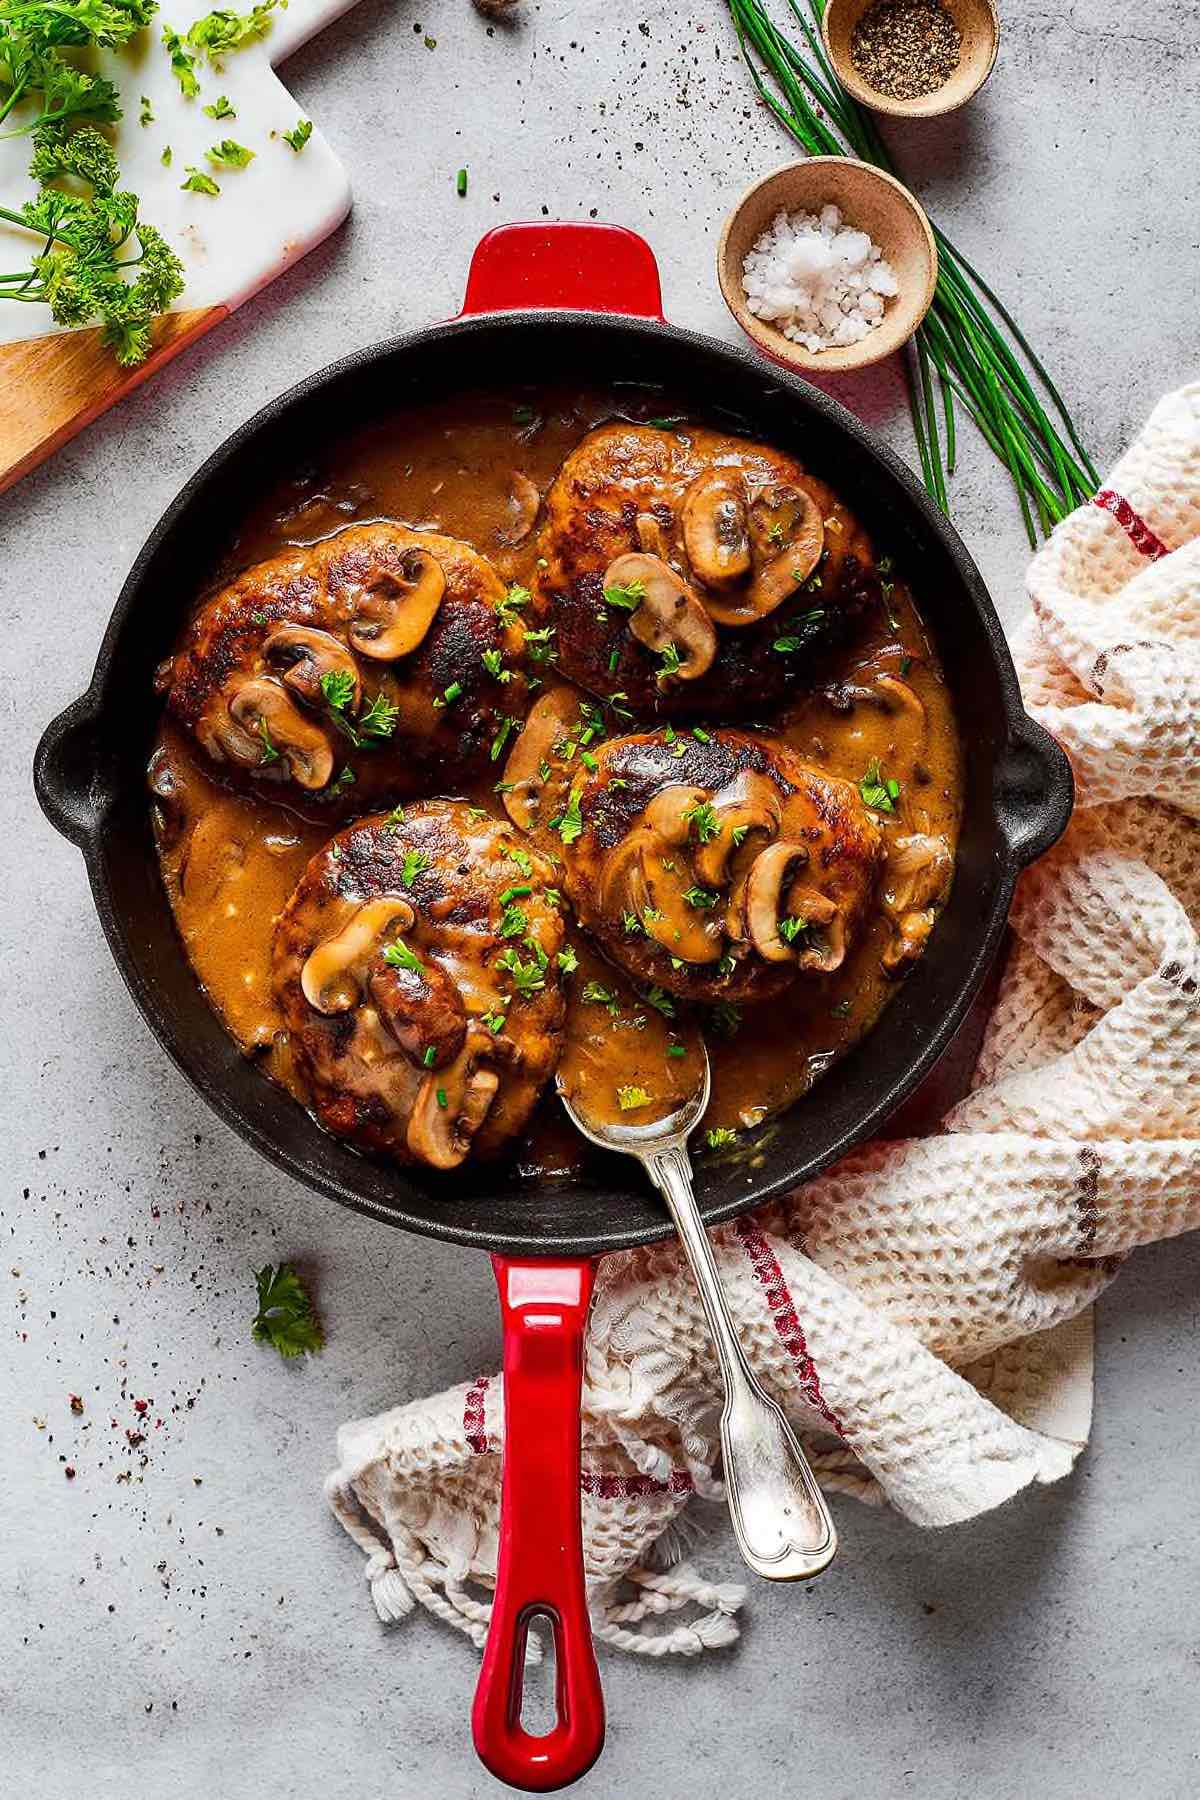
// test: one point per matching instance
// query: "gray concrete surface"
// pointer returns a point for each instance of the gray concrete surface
(186, 1621)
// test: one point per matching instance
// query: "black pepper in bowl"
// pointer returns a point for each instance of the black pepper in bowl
(905, 48)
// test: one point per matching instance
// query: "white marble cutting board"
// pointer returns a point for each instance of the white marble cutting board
(267, 216)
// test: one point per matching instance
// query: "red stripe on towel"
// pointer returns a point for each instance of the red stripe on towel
(769, 1276)
(474, 1424)
(1131, 523)
(631, 1487)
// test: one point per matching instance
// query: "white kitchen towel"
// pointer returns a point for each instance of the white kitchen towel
(922, 1309)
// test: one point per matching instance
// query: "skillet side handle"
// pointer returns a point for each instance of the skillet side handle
(543, 1306)
(580, 267)
(72, 774)
(1035, 791)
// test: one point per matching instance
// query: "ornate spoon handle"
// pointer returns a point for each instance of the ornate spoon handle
(779, 1514)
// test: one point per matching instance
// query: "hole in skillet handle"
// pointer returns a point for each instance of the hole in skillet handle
(1035, 791)
(75, 773)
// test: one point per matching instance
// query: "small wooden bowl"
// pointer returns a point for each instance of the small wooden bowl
(879, 205)
(978, 26)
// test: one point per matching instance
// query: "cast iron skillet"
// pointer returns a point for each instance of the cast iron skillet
(550, 302)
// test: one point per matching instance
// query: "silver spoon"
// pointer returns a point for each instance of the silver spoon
(779, 1514)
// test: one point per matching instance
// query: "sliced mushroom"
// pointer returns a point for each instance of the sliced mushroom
(637, 880)
(897, 696)
(551, 719)
(333, 976)
(273, 729)
(915, 885)
(451, 1106)
(763, 898)
(652, 537)
(668, 812)
(669, 613)
(716, 533)
(422, 1008)
(395, 611)
(524, 503)
(790, 517)
(823, 945)
(754, 816)
(304, 656)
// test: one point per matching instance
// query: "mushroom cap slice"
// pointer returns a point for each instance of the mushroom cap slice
(550, 721)
(716, 529)
(525, 501)
(303, 655)
(395, 611)
(270, 719)
(668, 812)
(334, 973)
(789, 516)
(441, 1130)
(756, 815)
(669, 612)
(637, 880)
(766, 899)
(651, 536)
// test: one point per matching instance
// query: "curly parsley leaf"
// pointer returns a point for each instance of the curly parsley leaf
(300, 136)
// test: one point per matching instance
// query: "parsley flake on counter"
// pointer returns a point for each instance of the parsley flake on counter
(183, 63)
(198, 182)
(229, 154)
(460, 184)
(285, 1318)
(300, 136)
(878, 792)
(220, 109)
(165, 158)
(146, 116)
(629, 1098)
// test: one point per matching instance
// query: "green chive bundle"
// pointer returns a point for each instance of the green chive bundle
(968, 341)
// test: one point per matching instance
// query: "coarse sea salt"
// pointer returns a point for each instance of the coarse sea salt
(818, 280)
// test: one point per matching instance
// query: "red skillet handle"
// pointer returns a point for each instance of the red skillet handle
(543, 1306)
(580, 267)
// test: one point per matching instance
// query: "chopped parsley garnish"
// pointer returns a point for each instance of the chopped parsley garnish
(738, 834)
(726, 1017)
(528, 977)
(567, 960)
(379, 720)
(700, 735)
(570, 825)
(494, 1022)
(792, 928)
(415, 863)
(676, 1049)
(493, 662)
(220, 109)
(429, 1056)
(661, 1001)
(299, 136)
(285, 1318)
(596, 994)
(703, 899)
(703, 818)
(441, 1099)
(460, 184)
(337, 687)
(627, 596)
(453, 693)
(507, 727)
(344, 780)
(878, 791)
(269, 753)
(538, 645)
(399, 956)
(629, 1098)
(802, 631)
(516, 597)
(632, 923)
(521, 858)
(717, 1137)
(515, 893)
(146, 116)
(671, 665)
(513, 922)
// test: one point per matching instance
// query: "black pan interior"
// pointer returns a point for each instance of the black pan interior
(91, 773)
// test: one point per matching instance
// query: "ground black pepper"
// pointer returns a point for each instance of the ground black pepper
(905, 48)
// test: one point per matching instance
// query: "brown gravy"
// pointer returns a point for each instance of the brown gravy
(232, 859)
